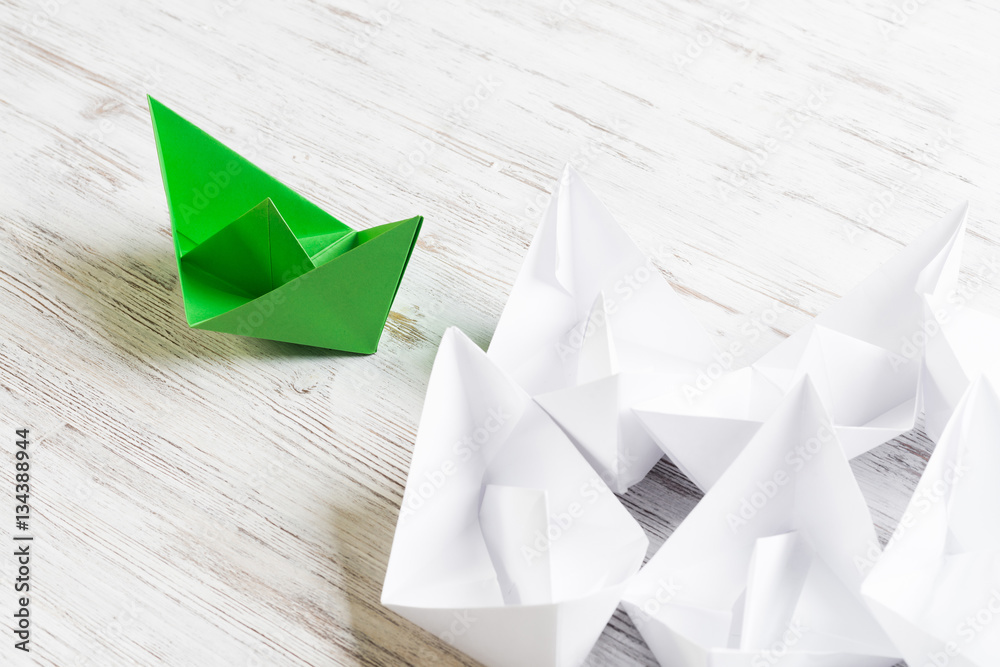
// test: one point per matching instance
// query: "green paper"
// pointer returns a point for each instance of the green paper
(257, 259)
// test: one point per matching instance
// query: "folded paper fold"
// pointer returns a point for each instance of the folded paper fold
(936, 589)
(257, 259)
(864, 355)
(960, 347)
(591, 327)
(764, 566)
(504, 524)
(511, 545)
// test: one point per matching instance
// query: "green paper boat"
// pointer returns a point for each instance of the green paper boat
(257, 259)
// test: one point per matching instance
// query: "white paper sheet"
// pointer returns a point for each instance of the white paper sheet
(509, 546)
(966, 345)
(591, 328)
(763, 571)
(936, 588)
(864, 355)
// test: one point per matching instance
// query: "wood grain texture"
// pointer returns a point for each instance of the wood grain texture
(204, 499)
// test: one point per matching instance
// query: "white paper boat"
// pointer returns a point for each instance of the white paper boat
(509, 545)
(762, 572)
(864, 355)
(591, 328)
(936, 588)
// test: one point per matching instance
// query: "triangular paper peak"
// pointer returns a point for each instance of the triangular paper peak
(510, 517)
(505, 522)
(598, 358)
(581, 234)
(209, 185)
(888, 306)
(940, 567)
(246, 242)
(738, 552)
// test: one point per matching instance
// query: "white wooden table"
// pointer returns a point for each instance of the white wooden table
(204, 499)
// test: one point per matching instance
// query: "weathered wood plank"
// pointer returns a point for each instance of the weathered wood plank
(203, 499)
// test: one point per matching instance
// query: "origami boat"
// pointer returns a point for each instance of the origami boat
(964, 349)
(592, 329)
(936, 589)
(509, 546)
(864, 355)
(257, 259)
(764, 571)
